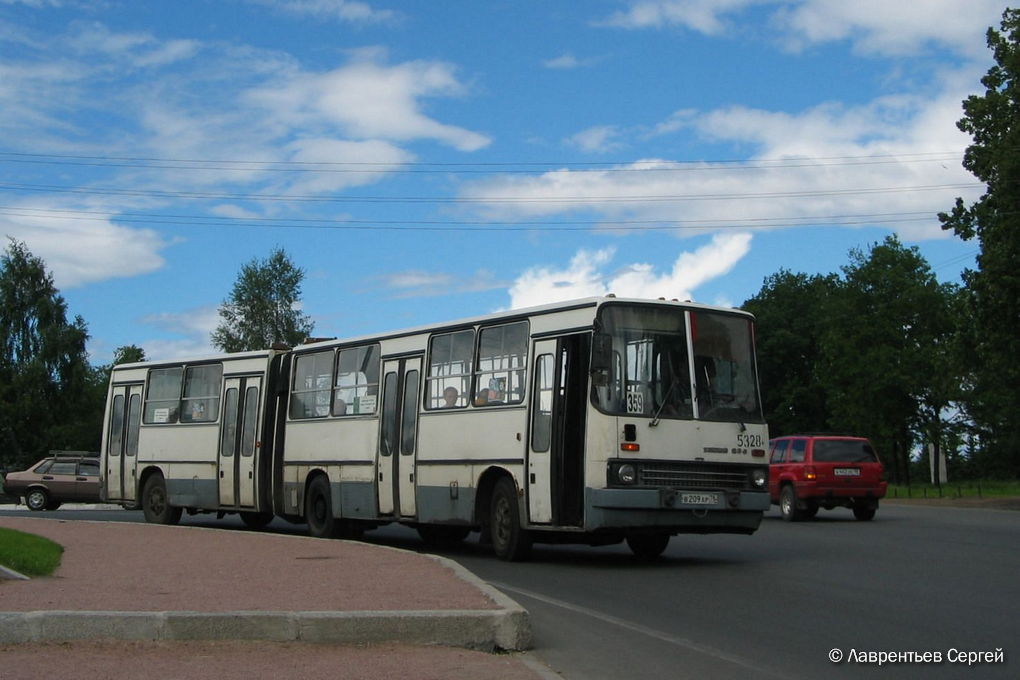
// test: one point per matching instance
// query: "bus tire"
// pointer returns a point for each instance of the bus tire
(510, 541)
(647, 547)
(319, 509)
(156, 504)
(256, 520)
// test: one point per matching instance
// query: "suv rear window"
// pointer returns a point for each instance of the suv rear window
(843, 451)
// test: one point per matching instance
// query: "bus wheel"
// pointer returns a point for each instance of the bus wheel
(256, 520)
(647, 546)
(155, 503)
(443, 536)
(509, 541)
(37, 499)
(319, 510)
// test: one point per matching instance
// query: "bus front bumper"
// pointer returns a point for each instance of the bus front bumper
(678, 510)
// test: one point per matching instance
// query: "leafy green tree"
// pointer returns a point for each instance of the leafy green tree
(791, 311)
(47, 387)
(887, 352)
(128, 354)
(263, 307)
(993, 290)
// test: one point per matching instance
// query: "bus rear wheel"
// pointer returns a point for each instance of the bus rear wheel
(155, 503)
(319, 510)
(510, 541)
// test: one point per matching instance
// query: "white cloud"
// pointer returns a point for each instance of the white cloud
(598, 139)
(418, 283)
(78, 248)
(193, 328)
(568, 62)
(890, 28)
(586, 276)
(703, 16)
(895, 155)
(339, 10)
(366, 99)
(874, 26)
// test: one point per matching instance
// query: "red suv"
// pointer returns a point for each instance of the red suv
(812, 471)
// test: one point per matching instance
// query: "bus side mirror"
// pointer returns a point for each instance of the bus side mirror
(601, 358)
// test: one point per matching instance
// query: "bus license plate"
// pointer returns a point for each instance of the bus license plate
(847, 472)
(699, 499)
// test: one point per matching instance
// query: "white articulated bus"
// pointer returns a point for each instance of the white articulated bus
(593, 421)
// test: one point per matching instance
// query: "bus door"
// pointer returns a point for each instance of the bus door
(238, 441)
(556, 444)
(398, 437)
(122, 444)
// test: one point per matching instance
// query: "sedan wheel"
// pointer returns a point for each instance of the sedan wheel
(37, 499)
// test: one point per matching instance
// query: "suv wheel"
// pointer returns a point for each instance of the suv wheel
(37, 499)
(788, 504)
(864, 511)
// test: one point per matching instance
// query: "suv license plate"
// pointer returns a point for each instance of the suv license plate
(699, 499)
(847, 472)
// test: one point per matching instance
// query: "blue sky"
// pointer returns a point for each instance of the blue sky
(426, 161)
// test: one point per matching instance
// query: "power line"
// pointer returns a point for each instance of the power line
(547, 200)
(520, 167)
(477, 226)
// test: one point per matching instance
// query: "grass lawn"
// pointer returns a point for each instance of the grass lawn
(28, 554)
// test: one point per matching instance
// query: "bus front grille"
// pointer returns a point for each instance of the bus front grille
(693, 476)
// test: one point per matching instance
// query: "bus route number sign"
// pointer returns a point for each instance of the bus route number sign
(635, 402)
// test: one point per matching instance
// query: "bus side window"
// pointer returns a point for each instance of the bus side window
(449, 377)
(542, 403)
(310, 393)
(502, 357)
(357, 381)
(163, 395)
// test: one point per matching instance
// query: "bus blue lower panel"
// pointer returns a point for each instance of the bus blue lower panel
(193, 493)
(439, 504)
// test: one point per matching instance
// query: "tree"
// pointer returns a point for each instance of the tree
(263, 307)
(887, 352)
(791, 311)
(993, 290)
(47, 387)
(128, 354)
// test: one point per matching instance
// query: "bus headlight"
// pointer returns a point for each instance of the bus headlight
(626, 474)
(759, 478)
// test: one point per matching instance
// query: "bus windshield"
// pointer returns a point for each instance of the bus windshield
(653, 371)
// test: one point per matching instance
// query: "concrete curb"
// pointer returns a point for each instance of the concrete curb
(8, 573)
(480, 630)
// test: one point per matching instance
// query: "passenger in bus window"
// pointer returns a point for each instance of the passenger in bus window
(339, 407)
(450, 396)
(482, 398)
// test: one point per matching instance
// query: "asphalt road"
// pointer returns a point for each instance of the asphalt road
(772, 605)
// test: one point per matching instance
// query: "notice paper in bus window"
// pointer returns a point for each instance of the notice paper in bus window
(365, 404)
(161, 415)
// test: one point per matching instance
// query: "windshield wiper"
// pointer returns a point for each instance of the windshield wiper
(655, 420)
